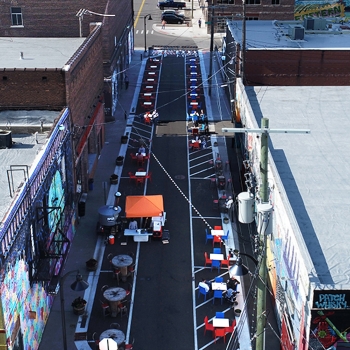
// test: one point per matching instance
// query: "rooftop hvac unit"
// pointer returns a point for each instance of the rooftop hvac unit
(296, 32)
(5, 139)
(315, 23)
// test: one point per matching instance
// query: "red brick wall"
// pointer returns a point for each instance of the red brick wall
(84, 82)
(32, 89)
(297, 67)
(52, 18)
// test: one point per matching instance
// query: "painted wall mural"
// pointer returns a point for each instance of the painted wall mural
(330, 319)
(25, 309)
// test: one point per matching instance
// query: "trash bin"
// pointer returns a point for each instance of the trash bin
(91, 184)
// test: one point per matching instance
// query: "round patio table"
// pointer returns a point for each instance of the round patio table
(122, 261)
(116, 334)
(114, 295)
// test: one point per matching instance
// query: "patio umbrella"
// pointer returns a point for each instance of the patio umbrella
(108, 344)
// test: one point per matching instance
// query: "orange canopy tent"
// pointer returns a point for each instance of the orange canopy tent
(143, 206)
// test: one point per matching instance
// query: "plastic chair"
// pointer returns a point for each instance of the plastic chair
(129, 290)
(103, 288)
(149, 176)
(230, 329)
(217, 295)
(217, 227)
(123, 309)
(95, 339)
(131, 270)
(132, 176)
(207, 325)
(216, 264)
(114, 325)
(201, 290)
(117, 274)
(106, 311)
(219, 314)
(133, 157)
(219, 279)
(140, 160)
(217, 250)
(147, 120)
(207, 260)
(217, 239)
(225, 237)
(196, 145)
(208, 237)
(220, 332)
(129, 346)
(226, 261)
(109, 258)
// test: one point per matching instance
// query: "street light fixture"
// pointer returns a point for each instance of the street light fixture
(80, 14)
(144, 27)
(78, 286)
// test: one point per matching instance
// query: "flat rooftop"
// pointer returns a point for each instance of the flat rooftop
(26, 145)
(274, 35)
(37, 52)
(314, 168)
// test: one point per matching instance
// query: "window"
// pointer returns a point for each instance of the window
(275, 2)
(16, 16)
(252, 2)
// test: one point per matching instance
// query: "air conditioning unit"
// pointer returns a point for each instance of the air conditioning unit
(315, 23)
(296, 32)
(5, 139)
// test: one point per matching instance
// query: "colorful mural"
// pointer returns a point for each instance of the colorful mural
(25, 309)
(330, 318)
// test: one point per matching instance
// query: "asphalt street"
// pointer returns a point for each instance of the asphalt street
(164, 310)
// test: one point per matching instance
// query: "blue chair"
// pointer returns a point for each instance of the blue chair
(217, 250)
(219, 279)
(216, 264)
(225, 237)
(201, 290)
(208, 236)
(219, 315)
(217, 295)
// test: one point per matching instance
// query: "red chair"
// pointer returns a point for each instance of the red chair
(217, 239)
(140, 160)
(131, 176)
(147, 120)
(217, 227)
(207, 260)
(231, 328)
(149, 176)
(196, 145)
(133, 157)
(140, 180)
(207, 325)
(226, 261)
(220, 332)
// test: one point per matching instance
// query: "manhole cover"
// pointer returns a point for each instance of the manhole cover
(180, 177)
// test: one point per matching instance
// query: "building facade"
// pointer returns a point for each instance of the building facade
(49, 18)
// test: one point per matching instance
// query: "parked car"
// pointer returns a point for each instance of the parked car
(171, 4)
(176, 12)
(172, 18)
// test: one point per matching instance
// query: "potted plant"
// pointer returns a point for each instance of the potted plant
(119, 160)
(79, 305)
(226, 220)
(91, 265)
(113, 179)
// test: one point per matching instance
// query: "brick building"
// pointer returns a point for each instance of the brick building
(63, 79)
(312, 52)
(33, 18)
(223, 10)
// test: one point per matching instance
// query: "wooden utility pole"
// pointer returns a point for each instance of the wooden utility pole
(264, 197)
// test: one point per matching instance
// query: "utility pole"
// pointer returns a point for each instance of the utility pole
(244, 30)
(211, 45)
(264, 197)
